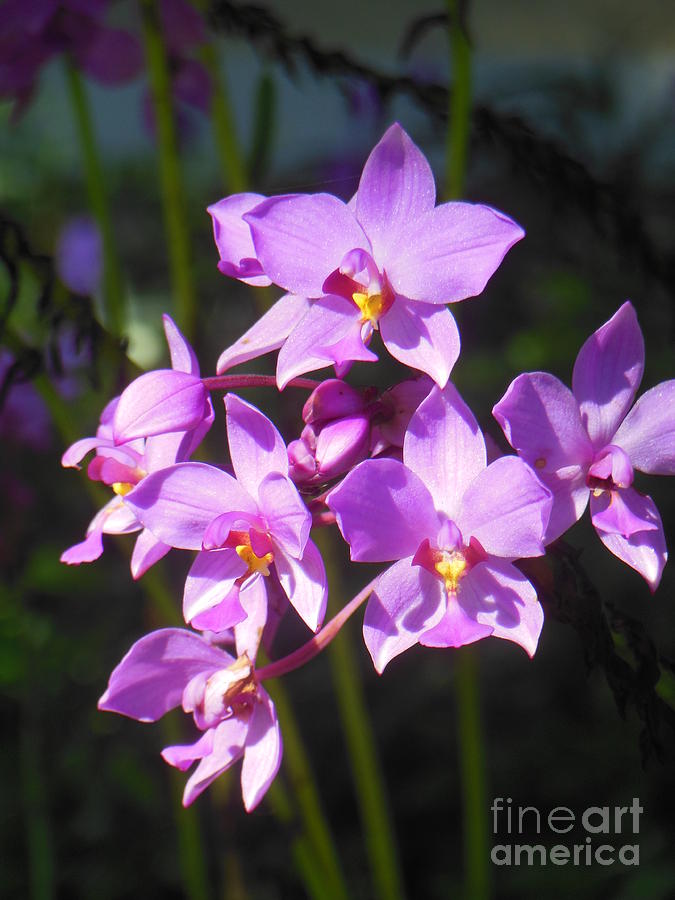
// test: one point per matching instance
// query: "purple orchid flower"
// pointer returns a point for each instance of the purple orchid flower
(79, 256)
(123, 462)
(389, 260)
(586, 443)
(242, 527)
(174, 667)
(455, 525)
(31, 34)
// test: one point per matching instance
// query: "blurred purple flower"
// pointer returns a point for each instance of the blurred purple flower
(235, 714)
(455, 525)
(79, 256)
(24, 418)
(585, 443)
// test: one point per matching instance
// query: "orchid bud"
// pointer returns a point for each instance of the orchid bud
(332, 399)
(301, 462)
(342, 444)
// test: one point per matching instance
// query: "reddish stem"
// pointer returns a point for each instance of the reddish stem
(325, 517)
(321, 640)
(229, 382)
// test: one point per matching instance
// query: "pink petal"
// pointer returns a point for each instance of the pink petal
(541, 420)
(179, 503)
(161, 401)
(248, 633)
(607, 373)
(422, 336)
(329, 333)
(87, 550)
(449, 254)
(644, 551)
(507, 509)
(623, 512)
(183, 358)
(287, 517)
(262, 756)
(268, 333)
(181, 756)
(208, 583)
(228, 746)
(445, 447)
(77, 451)
(304, 583)
(256, 447)
(505, 600)
(233, 238)
(396, 187)
(151, 678)
(383, 510)
(647, 434)
(406, 602)
(147, 551)
(570, 494)
(300, 239)
(455, 628)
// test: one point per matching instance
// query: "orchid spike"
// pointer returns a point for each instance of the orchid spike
(454, 525)
(390, 260)
(174, 667)
(586, 443)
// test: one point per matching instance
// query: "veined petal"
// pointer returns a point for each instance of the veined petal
(507, 509)
(506, 601)
(449, 253)
(254, 600)
(87, 550)
(300, 239)
(570, 495)
(304, 583)
(179, 503)
(445, 447)
(183, 358)
(157, 402)
(209, 582)
(396, 187)
(455, 628)
(607, 374)
(542, 421)
(329, 333)
(644, 551)
(151, 678)
(181, 756)
(228, 747)
(422, 336)
(406, 602)
(77, 451)
(147, 551)
(233, 238)
(623, 512)
(256, 447)
(287, 517)
(268, 333)
(262, 756)
(647, 434)
(384, 511)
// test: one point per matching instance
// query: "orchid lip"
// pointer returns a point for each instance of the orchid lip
(450, 564)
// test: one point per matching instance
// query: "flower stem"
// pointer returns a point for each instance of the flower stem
(231, 162)
(477, 884)
(316, 644)
(232, 382)
(113, 285)
(169, 171)
(457, 141)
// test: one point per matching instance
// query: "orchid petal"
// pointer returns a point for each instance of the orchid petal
(181, 756)
(183, 358)
(228, 747)
(647, 434)
(300, 239)
(160, 401)
(208, 583)
(422, 336)
(262, 756)
(77, 451)
(445, 447)
(151, 678)
(86, 551)
(449, 253)
(248, 633)
(644, 551)
(268, 333)
(147, 551)
(607, 374)
(405, 603)
(256, 447)
(624, 512)
(233, 238)
(507, 509)
(383, 510)
(455, 628)
(287, 517)
(304, 583)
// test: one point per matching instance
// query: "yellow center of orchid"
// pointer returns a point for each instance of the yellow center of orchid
(122, 488)
(372, 306)
(255, 563)
(451, 567)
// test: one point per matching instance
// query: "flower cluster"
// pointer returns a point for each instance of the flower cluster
(404, 474)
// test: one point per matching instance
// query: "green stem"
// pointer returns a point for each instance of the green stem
(38, 830)
(457, 141)
(477, 884)
(114, 310)
(363, 757)
(231, 161)
(171, 182)
(306, 795)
